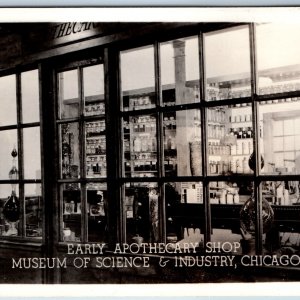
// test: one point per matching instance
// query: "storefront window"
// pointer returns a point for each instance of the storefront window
(93, 86)
(182, 143)
(69, 150)
(278, 63)
(8, 105)
(82, 151)
(230, 139)
(71, 212)
(68, 94)
(33, 210)
(180, 71)
(137, 78)
(20, 151)
(9, 140)
(97, 206)
(10, 218)
(141, 209)
(32, 153)
(30, 96)
(184, 213)
(279, 136)
(227, 63)
(230, 222)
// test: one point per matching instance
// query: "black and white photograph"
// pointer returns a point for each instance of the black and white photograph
(150, 152)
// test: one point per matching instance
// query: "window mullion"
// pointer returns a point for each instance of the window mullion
(254, 82)
(83, 186)
(20, 155)
(206, 204)
(159, 133)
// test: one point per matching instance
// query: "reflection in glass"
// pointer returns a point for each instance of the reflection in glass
(33, 210)
(227, 61)
(180, 71)
(97, 212)
(71, 212)
(140, 146)
(278, 62)
(184, 215)
(30, 96)
(69, 145)
(93, 88)
(95, 149)
(8, 226)
(226, 199)
(9, 142)
(8, 106)
(68, 94)
(230, 139)
(280, 135)
(137, 78)
(32, 153)
(141, 212)
(182, 143)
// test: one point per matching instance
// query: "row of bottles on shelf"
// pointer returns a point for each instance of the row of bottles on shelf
(143, 144)
(95, 128)
(169, 123)
(238, 165)
(95, 109)
(240, 148)
(170, 164)
(215, 131)
(225, 197)
(98, 168)
(214, 92)
(240, 118)
(241, 132)
(215, 148)
(216, 115)
(170, 143)
(140, 102)
(95, 146)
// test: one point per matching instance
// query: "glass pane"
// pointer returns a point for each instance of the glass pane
(33, 210)
(9, 210)
(8, 106)
(227, 61)
(32, 153)
(180, 71)
(184, 214)
(278, 57)
(95, 149)
(182, 143)
(30, 96)
(137, 78)
(140, 146)
(71, 212)
(282, 236)
(141, 212)
(68, 94)
(280, 153)
(93, 87)
(97, 212)
(233, 221)
(9, 142)
(69, 149)
(230, 140)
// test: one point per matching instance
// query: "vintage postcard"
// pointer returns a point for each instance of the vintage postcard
(149, 146)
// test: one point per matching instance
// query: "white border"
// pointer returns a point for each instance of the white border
(166, 14)
(267, 14)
